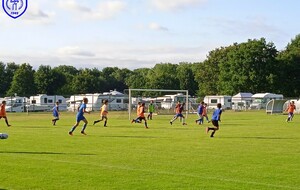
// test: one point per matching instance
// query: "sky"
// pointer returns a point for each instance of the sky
(140, 33)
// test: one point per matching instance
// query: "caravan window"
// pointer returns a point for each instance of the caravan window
(119, 101)
(50, 101)
(45, 100)
(214, 101)
(60, 101)
(229, 100)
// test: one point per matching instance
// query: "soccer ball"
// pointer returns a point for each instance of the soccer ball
(3, 136)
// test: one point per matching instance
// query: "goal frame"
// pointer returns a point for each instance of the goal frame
(155, 90)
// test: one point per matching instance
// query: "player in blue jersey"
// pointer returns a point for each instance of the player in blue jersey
(55, 113)
(80, 117)
(216, 117)
(199, 113)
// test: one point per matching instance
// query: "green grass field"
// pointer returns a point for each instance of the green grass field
(252, 150)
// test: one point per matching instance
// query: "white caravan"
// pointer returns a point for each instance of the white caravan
(241, 101)
(169, 101)
(44, 102)
(212, 101)
(116, 101)
(15, 104)
(260, 100)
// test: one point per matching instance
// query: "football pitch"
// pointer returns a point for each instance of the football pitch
(252, 150)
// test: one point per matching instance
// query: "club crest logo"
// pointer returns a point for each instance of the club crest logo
(14, 8)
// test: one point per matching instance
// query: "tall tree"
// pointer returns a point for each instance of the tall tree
(10, 70)
(163, 76)
(23, 81)
(120, 76)
(67, 74)
(47, 80)
(207, 72)
(85, 82)
(250, 67)
(289, 60)
(138, 79)
(186, 77)
(2, 79)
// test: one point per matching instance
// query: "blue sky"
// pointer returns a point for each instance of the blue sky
(140, 33)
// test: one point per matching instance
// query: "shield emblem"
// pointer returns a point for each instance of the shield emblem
(14, 8)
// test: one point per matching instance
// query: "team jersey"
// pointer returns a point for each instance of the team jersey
(138, 110)
(204, 112)
(200, 109)
(181, 108)
(81, 110)
(104, 110)
(216, 115)
(2, 110)
(291, 108)
(141, 111)
(55, 111)
(151, 108)
(177, 108)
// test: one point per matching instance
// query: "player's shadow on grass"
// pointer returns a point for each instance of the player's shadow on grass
(137, 137)
(45, 153)
(262, 138)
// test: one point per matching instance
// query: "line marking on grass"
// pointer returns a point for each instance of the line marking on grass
(171, 173)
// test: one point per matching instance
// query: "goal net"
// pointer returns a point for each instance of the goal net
(164, 101)
(275, 106)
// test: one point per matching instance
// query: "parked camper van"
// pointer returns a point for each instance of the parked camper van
(212, 101)
(44, 102)
(169, 101)
(260, 100)
(241, 101)
(116, 101)
(15, 104)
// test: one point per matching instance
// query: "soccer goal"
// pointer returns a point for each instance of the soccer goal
(164, 104)
(275, 106)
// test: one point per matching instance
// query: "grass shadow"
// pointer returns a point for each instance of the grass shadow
(44, 153)
(138, 137)
(261, 138)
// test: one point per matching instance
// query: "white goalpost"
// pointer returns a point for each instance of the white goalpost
(155, 90)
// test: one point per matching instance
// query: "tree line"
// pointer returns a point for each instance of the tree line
(253, 66)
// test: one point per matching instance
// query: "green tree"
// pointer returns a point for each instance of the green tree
(186, 77)
(138, 79)
(66, 74)
(108, 75)
(47, 80)
(248, 67)
(2, 79)
(10, 70)
(23, 81)
(207, 72)
(85, 82)
(289, 60)
(163, 76)
(120, 76)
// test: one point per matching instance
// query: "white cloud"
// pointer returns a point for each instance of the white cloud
(108, 55)
(75, 51)
(156, 26)
(175, 4)
(104, 10)
(246, 27)
(72, 5)
(109, 9)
